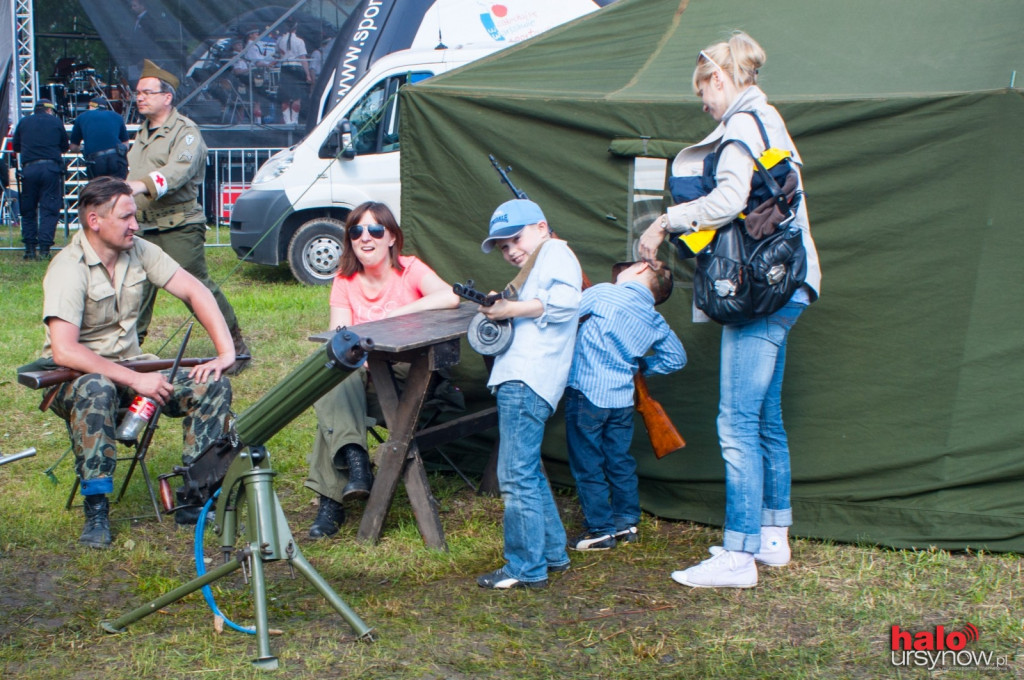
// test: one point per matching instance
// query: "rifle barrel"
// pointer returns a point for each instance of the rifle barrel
(503, 173)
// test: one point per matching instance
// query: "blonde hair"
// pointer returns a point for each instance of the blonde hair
(739, 57)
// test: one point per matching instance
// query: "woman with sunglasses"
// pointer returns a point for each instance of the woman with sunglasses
(758, 511)
(375, 281)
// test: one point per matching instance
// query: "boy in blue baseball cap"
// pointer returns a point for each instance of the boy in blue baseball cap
(528, 380)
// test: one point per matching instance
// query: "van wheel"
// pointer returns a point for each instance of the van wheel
(314, 254)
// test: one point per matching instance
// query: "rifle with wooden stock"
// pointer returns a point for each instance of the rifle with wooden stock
(40, 379)
(664, 436)
(48, 378)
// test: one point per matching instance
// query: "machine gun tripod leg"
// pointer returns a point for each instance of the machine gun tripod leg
(249, 485)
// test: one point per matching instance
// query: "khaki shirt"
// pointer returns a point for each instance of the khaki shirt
(78, 289)
(171, 161)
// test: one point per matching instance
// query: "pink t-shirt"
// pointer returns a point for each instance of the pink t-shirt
(346, 293)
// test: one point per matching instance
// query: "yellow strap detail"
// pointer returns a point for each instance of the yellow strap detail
(771, 157)
(698, 240)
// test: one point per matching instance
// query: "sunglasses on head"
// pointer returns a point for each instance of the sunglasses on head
(375, 230)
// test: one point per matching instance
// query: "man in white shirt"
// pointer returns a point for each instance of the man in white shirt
(295, 74)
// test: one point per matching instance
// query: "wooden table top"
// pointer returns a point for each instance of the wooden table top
(411, 331)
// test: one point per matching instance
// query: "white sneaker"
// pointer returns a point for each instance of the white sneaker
(774, 550)
(727, 569)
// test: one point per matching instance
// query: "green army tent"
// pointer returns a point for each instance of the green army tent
(905, 380)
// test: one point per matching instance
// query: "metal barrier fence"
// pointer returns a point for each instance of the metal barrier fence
(228, 173)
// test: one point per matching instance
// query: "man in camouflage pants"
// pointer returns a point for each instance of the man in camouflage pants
(92, 295)
(91, 402)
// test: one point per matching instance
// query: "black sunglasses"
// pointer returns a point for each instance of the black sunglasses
(375, 230)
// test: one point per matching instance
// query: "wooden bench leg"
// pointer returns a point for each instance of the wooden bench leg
(424, 506)
(392, 456)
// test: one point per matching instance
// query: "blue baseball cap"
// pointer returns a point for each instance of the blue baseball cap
(509, 219)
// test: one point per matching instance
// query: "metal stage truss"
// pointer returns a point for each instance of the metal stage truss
(24, 53)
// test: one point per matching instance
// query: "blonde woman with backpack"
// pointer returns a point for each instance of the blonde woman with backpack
(753, 353)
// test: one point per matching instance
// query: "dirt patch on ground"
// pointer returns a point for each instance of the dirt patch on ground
(41, 592)
(35, 593)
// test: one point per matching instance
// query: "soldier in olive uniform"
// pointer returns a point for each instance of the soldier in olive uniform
(166, 166)
(92, 296)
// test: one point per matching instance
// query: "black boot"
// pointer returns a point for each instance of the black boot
(188, 516)
(96, 533)
(360, 476)
(30, 253)
(328, 519)
(240, 349)
(44, 253)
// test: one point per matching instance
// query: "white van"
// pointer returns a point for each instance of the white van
(295, 209)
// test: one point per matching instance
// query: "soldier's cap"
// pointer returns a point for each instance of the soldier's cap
(509, 219)
(99, 102)
(44, 104)
(151, 70)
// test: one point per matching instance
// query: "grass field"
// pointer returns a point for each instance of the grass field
(614, 614)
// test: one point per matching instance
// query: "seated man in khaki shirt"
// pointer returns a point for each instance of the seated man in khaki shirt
(93, 292)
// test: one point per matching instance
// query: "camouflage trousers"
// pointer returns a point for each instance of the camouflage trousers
(90, 403)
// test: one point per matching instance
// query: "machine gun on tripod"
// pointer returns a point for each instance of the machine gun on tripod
(238, 465)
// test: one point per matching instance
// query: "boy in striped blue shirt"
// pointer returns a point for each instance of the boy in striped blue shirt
(620, 326)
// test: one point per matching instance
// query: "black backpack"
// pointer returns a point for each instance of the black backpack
(754, 264)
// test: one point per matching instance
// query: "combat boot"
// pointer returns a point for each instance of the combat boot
(96, 533)
(360, 476)
(30, 253)
(240, 349)
(188, 516)
(328, 519)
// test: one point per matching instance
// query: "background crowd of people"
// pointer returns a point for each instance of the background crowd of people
(269, 76)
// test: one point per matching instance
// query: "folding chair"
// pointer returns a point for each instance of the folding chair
(372, 430)
(139, 448)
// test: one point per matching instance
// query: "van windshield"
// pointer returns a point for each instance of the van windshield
(374, 117)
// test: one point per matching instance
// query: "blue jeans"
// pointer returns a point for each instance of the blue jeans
(605, 471)
(534, 535)
(750, 430)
